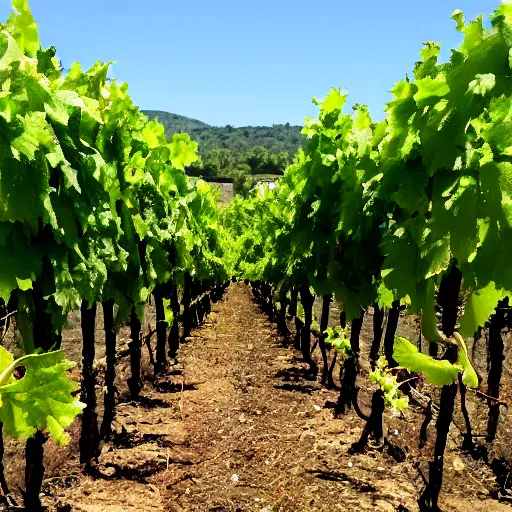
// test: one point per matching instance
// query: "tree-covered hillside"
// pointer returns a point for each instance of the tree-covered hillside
(174, 123)
(275, 139)
(241, 154)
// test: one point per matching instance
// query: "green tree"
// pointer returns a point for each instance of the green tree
(258, 158)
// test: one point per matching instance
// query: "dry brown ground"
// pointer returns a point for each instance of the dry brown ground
(236, 426)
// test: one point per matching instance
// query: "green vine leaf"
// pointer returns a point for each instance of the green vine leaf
(479, 306)
(387, 382)
(42, 399)
(339, 340)
(439, 373)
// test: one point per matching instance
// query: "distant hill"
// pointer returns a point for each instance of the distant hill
(276, 138)
(175, 123)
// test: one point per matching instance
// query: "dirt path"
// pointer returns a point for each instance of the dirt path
(236, 427)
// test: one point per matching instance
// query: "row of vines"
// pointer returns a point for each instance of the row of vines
(414, 213)
(95, 211)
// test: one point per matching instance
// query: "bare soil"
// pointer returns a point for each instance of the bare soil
(237, 425)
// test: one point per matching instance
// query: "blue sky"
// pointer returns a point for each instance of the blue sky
(250, 62)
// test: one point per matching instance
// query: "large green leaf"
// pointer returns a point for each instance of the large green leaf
(42, 399)
(23, 27)
(430, 90)
(479, 306)
(20, 262)
(440, 373)
(464, 232)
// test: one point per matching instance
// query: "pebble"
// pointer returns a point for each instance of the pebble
(109, 471)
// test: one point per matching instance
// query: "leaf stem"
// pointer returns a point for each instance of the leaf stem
(7, 373)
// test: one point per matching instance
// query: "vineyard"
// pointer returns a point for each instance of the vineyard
(338, 341)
